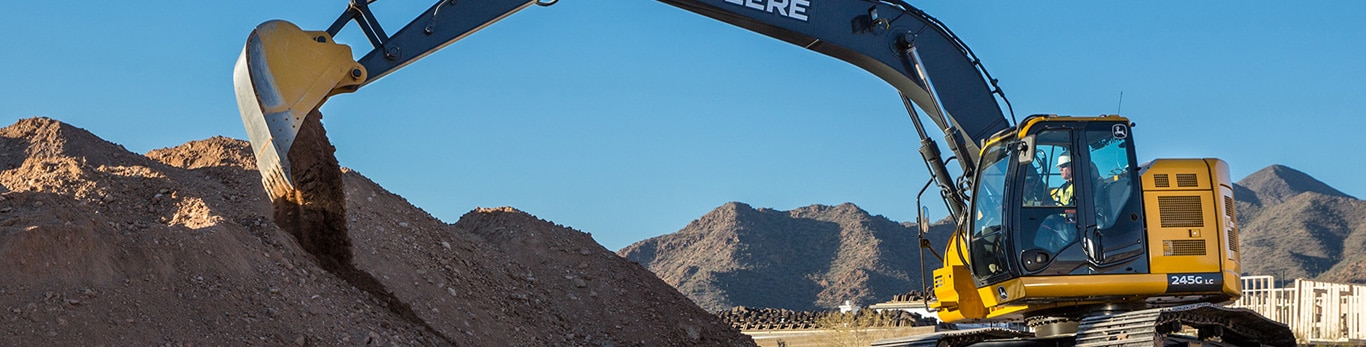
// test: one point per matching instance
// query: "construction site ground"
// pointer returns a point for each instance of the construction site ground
(177, 247)
(831, 337)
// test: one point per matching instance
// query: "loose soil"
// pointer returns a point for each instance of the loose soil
(179, 247)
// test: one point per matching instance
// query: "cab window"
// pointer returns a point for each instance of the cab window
(1111, 158)
(1045, 182)
(988, 201)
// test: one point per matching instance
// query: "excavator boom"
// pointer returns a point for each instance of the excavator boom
(902, 45)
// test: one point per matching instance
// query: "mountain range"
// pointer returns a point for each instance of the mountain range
(816, 257)
(809, 258)
(1294, 226)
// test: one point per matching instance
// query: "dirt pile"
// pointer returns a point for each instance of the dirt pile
(807, 259)
(101, 246)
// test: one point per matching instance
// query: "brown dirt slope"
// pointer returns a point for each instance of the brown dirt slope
(1294, 226)
(100, 246)
(810, 258)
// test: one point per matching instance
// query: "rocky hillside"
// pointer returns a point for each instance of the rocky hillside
(101, 246)
(811, 258)
(1294, 226)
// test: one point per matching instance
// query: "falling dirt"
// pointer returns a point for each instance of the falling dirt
(315, 214)
(315, 211)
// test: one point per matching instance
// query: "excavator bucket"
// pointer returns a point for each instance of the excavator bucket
(283, 75)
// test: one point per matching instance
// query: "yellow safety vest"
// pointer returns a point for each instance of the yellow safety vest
(1063, 194)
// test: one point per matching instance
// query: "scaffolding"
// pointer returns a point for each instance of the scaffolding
(1317, 312)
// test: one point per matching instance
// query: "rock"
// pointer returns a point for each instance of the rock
(693, 334)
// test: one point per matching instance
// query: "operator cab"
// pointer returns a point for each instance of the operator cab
(1059, 197)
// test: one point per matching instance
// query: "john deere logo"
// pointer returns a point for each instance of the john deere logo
(795, 9)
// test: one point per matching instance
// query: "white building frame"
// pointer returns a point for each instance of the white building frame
(1317, 312)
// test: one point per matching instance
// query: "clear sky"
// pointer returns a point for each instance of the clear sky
(630, 118)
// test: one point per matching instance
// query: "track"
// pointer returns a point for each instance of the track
(1215, 326)
(1231, 326)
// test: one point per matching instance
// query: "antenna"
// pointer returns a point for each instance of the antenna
(1121, 102)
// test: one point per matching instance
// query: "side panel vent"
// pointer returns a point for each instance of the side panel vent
(1228, 207)
(1187, 180)
(1162, 180)
(1180, 211)
(1233, 240)
(1232, 223)
(1183, 247)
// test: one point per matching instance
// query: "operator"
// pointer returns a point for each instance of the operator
(1063, 194)
(1058, 230)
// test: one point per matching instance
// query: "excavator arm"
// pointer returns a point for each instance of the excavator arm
(441, 25)
(285, 73)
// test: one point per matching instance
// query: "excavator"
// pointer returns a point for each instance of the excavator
(1059, 227)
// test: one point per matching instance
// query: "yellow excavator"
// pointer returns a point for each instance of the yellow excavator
(1067, 233)
(1058, 225)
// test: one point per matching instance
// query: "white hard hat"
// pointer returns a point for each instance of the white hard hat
(1064, 159)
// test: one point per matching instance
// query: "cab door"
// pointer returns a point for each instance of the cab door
(1113, 232)
(990, 236)
(1047, 224)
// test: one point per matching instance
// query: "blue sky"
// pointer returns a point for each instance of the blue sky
(628, 119)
